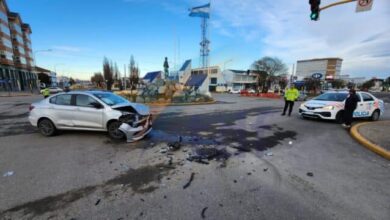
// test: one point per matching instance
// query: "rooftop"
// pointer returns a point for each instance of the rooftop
(321, 59)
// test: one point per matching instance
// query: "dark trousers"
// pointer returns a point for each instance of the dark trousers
(348, 116)
(290, 105)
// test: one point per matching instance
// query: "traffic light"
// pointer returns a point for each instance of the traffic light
(315, 9)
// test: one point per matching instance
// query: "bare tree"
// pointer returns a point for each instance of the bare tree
(267, 68)
(134, 73)
(108, 73)
(98, 79)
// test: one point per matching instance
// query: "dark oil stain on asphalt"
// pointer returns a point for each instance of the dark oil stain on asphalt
(189, 125)
(138, 180)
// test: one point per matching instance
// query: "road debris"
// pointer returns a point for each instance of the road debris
(97, 202)
(290, 142)
(204, 212)
(265, 169)
(9, 173)
(163, 150)
(242, 148)
(270, 154)
(202, 153)
(189, 181)
(310, 174)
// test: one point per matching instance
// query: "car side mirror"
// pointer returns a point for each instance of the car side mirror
(97, 105)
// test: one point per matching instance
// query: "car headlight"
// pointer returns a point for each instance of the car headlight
(302, 105)
(329, 107)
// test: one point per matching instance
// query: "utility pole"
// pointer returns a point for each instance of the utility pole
(125, 75)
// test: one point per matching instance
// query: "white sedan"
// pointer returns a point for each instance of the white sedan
(92, 111)
(330, 106)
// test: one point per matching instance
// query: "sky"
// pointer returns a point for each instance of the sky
(81, 33)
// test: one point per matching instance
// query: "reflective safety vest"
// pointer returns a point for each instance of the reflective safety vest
(46, 92)
(291, 94)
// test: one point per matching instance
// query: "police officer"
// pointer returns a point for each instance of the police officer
(46, 92)
(290, 96)
(350, 106)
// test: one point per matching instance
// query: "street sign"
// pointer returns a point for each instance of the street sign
(316, 76)
(364, 5)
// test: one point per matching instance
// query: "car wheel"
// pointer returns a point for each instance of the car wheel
(340, 117)
(114, 132)
(46, 127)
(375, 115)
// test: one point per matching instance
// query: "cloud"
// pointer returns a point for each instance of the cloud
(285, 30)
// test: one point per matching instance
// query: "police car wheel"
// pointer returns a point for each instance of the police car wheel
(339, 117)
(375, 116)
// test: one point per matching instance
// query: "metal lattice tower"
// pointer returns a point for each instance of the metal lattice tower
(204, 44)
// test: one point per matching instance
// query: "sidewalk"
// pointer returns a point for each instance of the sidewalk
(14, 94)
(374, 135)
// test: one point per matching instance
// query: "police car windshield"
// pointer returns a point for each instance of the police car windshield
(336, 97)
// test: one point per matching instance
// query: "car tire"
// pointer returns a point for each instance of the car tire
(114, 132)
(340, 117)
(46, 127)
(375, 115)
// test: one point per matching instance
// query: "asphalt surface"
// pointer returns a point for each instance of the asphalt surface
(268, 167)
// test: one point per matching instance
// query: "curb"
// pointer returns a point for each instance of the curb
(368, 144)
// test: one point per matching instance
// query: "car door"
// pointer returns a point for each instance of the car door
(88, 114)
(363, 108)
(62, 110)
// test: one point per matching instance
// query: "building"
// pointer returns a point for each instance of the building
(215, 79)
(185, 72)
(323, 69)
(240, 79)
(151, 77)
(16, 58)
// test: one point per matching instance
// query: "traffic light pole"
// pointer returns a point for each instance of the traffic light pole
(337, 3)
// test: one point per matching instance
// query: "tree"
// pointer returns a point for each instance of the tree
(44, 78)
(338, 83)
(386, 84)
(98, 79)
(368, 84)
(108, 73)
(134, 74)
(282, 82)
(312, 84)
(72, 81)
(267, 68)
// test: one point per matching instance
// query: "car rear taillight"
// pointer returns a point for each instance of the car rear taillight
(31, 108)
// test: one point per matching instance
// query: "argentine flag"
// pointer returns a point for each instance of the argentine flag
(201, 11)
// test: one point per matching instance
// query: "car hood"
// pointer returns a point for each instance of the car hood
(140, 108)
(319, 103)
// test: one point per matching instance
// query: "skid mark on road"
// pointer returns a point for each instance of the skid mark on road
(141, 180)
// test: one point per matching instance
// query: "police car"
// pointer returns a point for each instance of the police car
(330, 106)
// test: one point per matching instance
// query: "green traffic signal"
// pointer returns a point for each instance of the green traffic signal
(314, 16)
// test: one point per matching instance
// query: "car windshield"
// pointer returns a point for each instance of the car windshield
(337, 97)
(110, 98)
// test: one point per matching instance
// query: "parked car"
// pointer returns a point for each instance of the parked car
(330, 106)
(235, 91)
(92, 111)
(251, 91)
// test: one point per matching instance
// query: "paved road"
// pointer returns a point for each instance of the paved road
(284, 168)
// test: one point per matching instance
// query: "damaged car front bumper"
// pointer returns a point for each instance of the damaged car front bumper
(137, 129)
